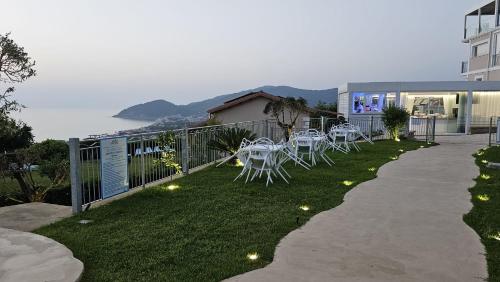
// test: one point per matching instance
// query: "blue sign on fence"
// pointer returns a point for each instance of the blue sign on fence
(114, 166)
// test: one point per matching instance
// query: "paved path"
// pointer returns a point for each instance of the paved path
(28, 217)
(405, 225)
(29, 257)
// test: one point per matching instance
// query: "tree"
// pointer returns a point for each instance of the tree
(14, 135)
(49, 158)
(286, 111)
(15, 67)
(324, 109)
(394, 118)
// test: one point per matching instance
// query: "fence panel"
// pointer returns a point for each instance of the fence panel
(189, 149)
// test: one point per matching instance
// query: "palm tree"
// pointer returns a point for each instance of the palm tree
(229, 140)
(286, 111)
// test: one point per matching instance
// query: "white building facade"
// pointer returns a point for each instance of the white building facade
(460, 107)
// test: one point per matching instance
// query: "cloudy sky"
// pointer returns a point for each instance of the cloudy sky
(95, 53)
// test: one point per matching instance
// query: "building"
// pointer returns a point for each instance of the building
(459, 106)
(251, 106)
(482, 34)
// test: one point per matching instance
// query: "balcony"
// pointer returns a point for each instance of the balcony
(481, 20)
(465, 67)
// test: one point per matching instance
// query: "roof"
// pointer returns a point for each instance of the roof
(254, 95)
(421, 86)
(242, 99)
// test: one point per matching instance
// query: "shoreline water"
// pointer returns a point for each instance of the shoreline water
(62, 124)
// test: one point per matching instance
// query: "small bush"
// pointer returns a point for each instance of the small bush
(395, 118)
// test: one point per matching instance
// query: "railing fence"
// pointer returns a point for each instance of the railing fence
(189, 149)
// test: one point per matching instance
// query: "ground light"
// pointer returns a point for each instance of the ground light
(495, 236)
(484, 161)
(304, 207)
(85, 221)
(485, 176)
(394, 158)
(483, 197)
(371, 169)
(480, 153)
(239, 163)
(401, 150)
(173, 187)
(422, 146)
(347, 182)
(252, 256)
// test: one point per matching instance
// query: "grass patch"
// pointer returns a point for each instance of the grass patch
(484, 217)
(207, 227)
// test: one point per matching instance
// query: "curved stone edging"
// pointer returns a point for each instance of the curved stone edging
(30, 257)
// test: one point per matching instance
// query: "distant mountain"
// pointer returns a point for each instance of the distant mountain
(159, 109)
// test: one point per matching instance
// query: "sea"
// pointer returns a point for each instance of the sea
(62, 124)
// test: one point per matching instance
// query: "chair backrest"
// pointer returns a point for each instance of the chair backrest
(263, 141)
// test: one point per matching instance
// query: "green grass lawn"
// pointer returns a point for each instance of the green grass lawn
(485, 215)
(204, 230)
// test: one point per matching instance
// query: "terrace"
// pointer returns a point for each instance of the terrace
(204, 226)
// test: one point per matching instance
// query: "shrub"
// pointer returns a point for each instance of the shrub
(168, 157)
(395, 118)
(50, 158)
(229, 140)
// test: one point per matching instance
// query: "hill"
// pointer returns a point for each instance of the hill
(158, 109)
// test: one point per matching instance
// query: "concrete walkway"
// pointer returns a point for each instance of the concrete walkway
(29, 257)
(28, 217)
(405, 225)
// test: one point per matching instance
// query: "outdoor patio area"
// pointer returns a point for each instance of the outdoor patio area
(205, 227)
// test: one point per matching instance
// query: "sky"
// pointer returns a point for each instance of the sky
(117, 53)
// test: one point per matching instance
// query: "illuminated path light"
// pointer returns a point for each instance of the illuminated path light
(483, 197)
(485, 176)
(304, 207)
(239, 163)
(484, 161)
(480, 153)
(401, 150)
(252, 256)
(394, 158)
(347, 182)
(173, 187)
(495, 236)
(372, 169)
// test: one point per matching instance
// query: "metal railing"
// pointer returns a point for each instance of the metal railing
(494, 131)
(189, 148)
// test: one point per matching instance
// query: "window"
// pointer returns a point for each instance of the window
(480, 50)
(368, 102)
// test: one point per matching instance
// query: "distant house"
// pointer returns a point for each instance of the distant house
(250, 107)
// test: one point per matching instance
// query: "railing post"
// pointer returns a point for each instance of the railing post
(433, 129)
(76, 185)
(489, 131)
(322, 124)
(427, 121)
(185, 151)
(266, 128)
(143, 166)
(371, 129)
